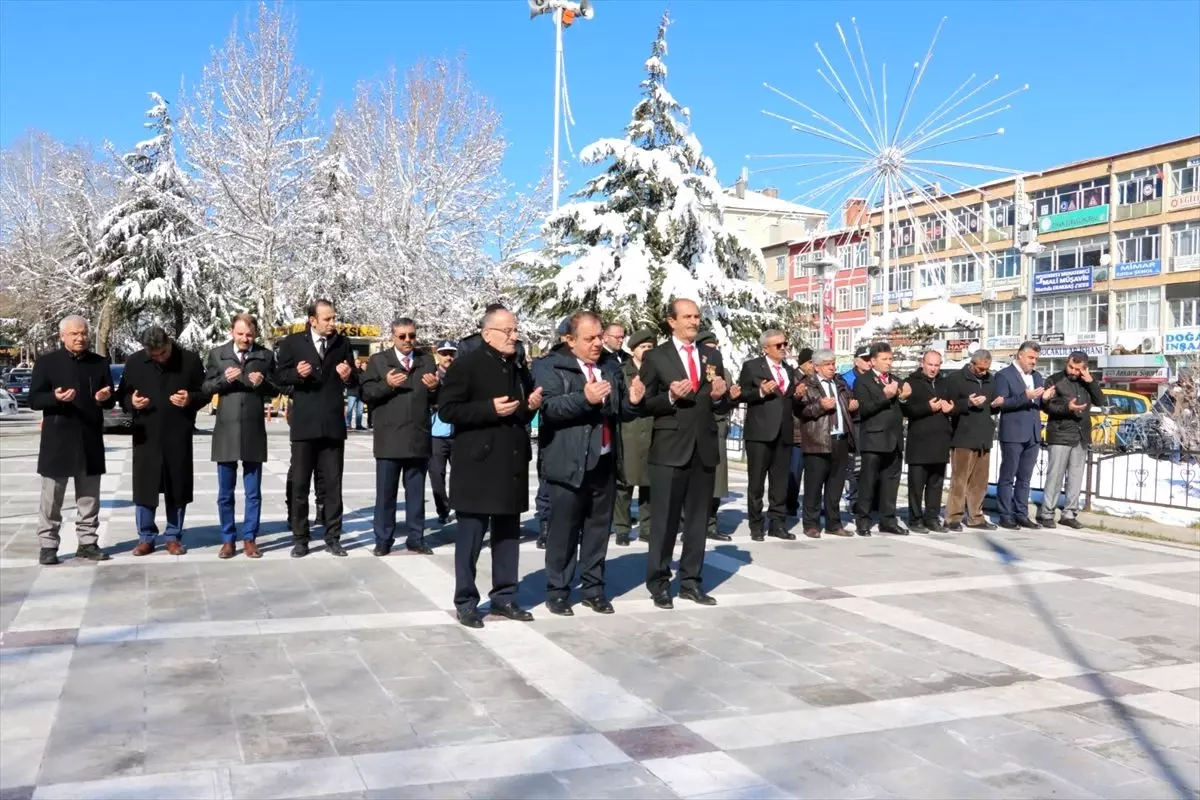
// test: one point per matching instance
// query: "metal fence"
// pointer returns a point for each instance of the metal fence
(1170, 479)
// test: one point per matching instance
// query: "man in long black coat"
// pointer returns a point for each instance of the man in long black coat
(162, 387)
(71, 387)
(489, 399)
(684, 391)
(317, 363)
(401, 385)
(881, 442)
(768, 383)
(927, 450)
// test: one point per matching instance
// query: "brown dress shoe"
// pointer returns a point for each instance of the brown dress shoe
(143, 549)
(812, 533)
(175, 547)
(251, 549)
(227, 550)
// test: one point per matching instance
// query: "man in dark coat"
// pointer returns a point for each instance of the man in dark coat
(707, 340)
(473, 342)
(584, 399)
(1025, 396)
(1068, 437)
(928, 443)
(861, 366)
(824, 405)
(614, 341)
(635, 452)
(684, 391)
(163, 388)
(441, 437)
(317, 363)
(239, 371)
(767, 384)
(976, 400)
(401, 385)
(796, 465)
(71, 387)
(881, 427)
(489, 399)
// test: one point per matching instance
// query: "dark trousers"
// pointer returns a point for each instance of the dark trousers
(506, 548)
(1017, 461)
(795, 479)
(318, 488)
(768, 466)
(388, 472)
(148, 529)
(824, 478)
(879, 480)
(682, 494)
(579, 523)
(325, 456)
(541, 501)
(622, 510)
(925, 482)
(442, 447)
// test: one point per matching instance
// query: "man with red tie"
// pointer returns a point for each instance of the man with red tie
(881, 442)
(683, 389)
(584, 398)
(768, 384)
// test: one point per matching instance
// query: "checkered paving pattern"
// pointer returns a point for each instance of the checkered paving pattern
(840, 668)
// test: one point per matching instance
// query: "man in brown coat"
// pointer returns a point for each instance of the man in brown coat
(825, 410)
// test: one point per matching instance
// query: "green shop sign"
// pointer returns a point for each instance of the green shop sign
(1096, 215)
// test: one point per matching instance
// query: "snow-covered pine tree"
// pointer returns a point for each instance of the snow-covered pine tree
(649, 229)
(332, 270)
(149, 250)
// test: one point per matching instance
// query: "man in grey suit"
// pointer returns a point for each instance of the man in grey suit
(239, 371)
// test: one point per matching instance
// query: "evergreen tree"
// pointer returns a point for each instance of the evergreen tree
(650, 228)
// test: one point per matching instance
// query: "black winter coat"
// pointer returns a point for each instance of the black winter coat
(881, 424)
(929, 431)
(974, 426)
(162, 432)
(400, 415)
(72, 440)
(1064, 426)
(489, 467)
(318, 404)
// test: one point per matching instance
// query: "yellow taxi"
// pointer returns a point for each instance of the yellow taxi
(1118, 405)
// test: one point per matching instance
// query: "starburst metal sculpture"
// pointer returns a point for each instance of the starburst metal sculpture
(885, 167)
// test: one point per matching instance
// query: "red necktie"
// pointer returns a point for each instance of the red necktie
(693, 376)
(605, 432)
(779, 378)
(886, 379)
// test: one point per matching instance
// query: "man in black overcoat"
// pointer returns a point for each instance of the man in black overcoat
(489, 399)
(881, 442)
(317, 363)
(71, 387)
(927, 450)
(684, 389)
(162, 387)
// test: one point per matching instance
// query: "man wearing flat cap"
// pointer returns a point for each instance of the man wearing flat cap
(635, 452)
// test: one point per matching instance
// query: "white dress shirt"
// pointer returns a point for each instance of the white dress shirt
(401, 356)
(779, 374)
(317, 339)
(588, 376)
(830, 389)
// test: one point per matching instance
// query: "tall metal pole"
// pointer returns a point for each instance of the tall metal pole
(821, 303)
(558, 60)
(885, 250)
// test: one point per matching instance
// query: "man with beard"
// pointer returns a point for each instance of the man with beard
(928, 443)
(1068, 437)
(879, 396)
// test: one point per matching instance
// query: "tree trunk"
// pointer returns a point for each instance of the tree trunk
(108, 314)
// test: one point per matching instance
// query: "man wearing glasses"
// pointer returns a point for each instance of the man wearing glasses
(489, 399)
(767, 388)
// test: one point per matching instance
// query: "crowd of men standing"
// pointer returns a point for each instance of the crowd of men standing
(648, 421)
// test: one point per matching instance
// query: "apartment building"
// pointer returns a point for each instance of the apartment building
(1101, 255)
(760, 219)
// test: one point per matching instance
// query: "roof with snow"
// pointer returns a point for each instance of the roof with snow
(757, 201)
(940, 314)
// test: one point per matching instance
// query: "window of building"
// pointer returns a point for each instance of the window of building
(862, 254)
(1140, 244)
(1049, 315)
(843, 298)
(1184, 179)
(1185, 312)
(1082, 315)
(967, 221)
(780, 267)
(903, 238)
(860, 296)
(800, 297)
(900, 279)
(1061, 199)
(964, 269)
(1002, 213)
(1073, 253)
(1004, 264)
(1185, 239)
(933, 276)
(843, 339)
(933, 233)
(974, 309)
(1139, 185)
(1138, 309)
(1006, 319)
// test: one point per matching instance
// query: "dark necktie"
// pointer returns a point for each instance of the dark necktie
(321, 348)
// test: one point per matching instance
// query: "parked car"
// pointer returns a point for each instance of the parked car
(1119, 405)
(8, 405)
(16, 383)
(117, 419)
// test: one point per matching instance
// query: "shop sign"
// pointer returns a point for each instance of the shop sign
(1078, 279)
(1135, 375)
(345, 329)
(1061, 351)
(1182, 340)
(1182, 263)
(1138, 269)
(1178, 202)
(1003, 342)
(1079, 218)
(966, 287)
(1050, 338)
(893, 297)
(1005, 283)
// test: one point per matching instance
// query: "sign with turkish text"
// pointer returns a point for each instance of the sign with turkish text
(1060, 351)
(1078, 279)
(1079, 218)
(893, 297)
(1182, 340)
(1135, 375)
(1138, 269)
(1011, 282)
(1184, 263)
(1002, 342)
(345, 329)
(1178, 202)
(1050, 338)
(964, 288)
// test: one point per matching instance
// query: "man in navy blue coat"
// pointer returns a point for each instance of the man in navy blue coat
(1024, 392)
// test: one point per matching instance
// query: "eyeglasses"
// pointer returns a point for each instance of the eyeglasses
(405, 337)
(779, 346)
(508, 332)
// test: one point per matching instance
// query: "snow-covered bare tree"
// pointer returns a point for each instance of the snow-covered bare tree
(335, 271)
(250, 137)
(649, 229)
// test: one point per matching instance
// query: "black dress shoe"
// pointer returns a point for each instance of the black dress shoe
(1048, 523)
(470, 619)
(954, 527)
(697, 596)
(933, 527)
(984, 525)
(662, 600)
(894, 530)
(91, 552)
(717, 536)
(511, 611)
(48, 557)
(335, 549)
(863, 531)
(422, 548)
(1026, 522)
(757, 536)
(299, 549)
(598, 604)
(443, 519)
(1007, 524)
(559, 607)
(1069, 522)
(382, 549)
(917, 527)
(780, 533)
(622, 540)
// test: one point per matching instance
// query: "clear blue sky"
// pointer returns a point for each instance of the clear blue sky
(1105, 76)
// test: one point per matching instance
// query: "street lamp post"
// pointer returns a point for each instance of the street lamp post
(820, 268)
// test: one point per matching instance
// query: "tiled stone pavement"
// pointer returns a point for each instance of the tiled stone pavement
(880, 667)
